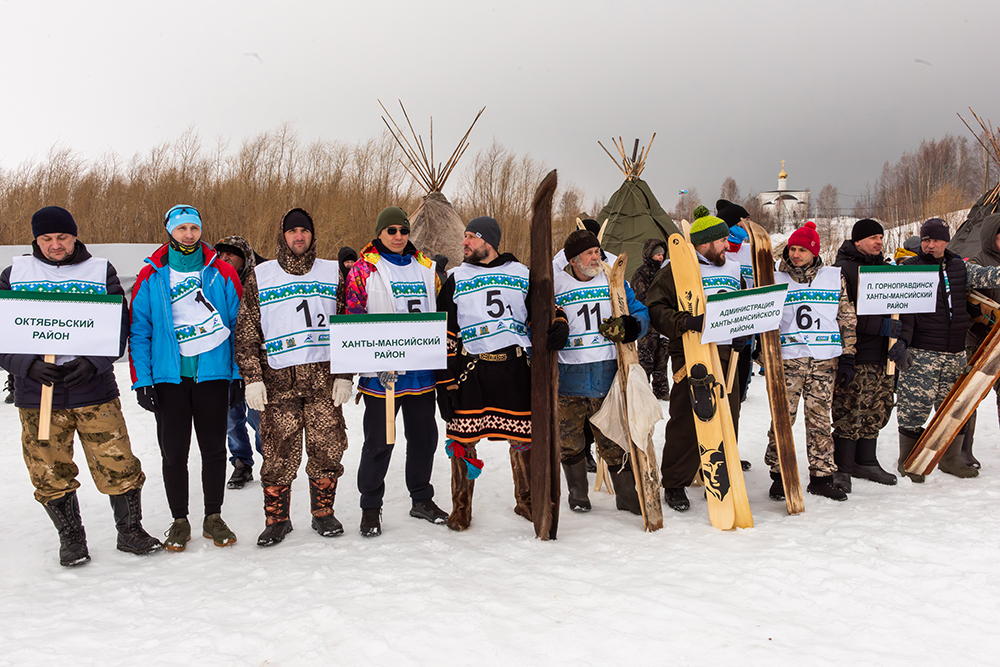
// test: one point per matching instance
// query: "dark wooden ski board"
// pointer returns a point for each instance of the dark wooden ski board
(544, 369)
(774, 373)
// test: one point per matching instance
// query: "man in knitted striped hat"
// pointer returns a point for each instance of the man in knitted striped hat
(818, 324)
(719, 274)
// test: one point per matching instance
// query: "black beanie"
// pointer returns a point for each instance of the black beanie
(730, 213)
(297, 218)
(578, 241)
(52, 220)
(935, 228)
(487, 229)
(591, 225)
(864, 228)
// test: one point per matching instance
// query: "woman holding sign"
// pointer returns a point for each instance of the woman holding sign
(184, 307)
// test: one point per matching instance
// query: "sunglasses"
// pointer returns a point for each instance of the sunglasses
(405, 231)
(181, 210)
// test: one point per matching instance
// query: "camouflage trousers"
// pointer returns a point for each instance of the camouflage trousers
(923, 388)
(105, 443)
(862, 408)
(812, 380)
(574, 411)
(281, 428)
(655, 361)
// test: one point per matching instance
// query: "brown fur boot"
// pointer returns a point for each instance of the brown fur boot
(276, 500)
(461, 492)
(520, 466)
(322, 492)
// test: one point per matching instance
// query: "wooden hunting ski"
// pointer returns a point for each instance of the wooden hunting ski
(721, 470)
(965, 396)
(544, 369)
(642, 454)
(774, 373)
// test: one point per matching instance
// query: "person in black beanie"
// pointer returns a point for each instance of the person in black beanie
(862, 406)
(84, 397)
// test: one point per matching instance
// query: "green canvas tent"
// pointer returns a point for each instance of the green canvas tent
(632, 215)
(966, 242)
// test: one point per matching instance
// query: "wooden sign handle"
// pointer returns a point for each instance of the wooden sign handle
(731, 371)
(45, 407)
(390, 413)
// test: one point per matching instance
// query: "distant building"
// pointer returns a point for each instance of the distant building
(784, 204)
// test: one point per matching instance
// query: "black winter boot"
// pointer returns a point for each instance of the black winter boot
(127, 508)
(321, 494)
(576, 485)
(623, 481)
(242, 473)
(952, 463)
(9, 388)
(822, 485)
(276, 501)
(777, 490)
(843, 453)
(907, 440)
(677, 499)
(65, 515)
(968, 458)
(591, 461)
(866, 464)
(371, 522)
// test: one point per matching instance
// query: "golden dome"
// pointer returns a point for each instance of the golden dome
(782, 174)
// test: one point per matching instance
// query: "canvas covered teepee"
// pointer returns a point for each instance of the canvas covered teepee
(966, 241)
(436, 229)
(633, 214)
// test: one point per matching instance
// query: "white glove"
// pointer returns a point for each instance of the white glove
(256, 396)
(341, 391)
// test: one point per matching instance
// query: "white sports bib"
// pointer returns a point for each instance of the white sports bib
(809, 319)
(587, 304)
(295, 312)
(491, 310)
(198, 326)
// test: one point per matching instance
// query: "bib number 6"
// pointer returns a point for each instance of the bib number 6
(804, 319)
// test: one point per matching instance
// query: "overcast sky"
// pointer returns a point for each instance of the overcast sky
(730, 88)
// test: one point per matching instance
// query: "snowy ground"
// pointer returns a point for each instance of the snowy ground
(896, 575)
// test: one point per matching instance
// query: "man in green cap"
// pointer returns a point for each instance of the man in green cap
(719, 274)
(392, 276)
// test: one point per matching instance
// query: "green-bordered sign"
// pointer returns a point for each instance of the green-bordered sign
(743, 312)
(60, 324)
(395, 342)
(885, 290)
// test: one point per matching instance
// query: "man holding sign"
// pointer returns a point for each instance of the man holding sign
(283, 351)
(719, 274)
(861, 407)
(930, 351)
(84, 396)
(392, 276)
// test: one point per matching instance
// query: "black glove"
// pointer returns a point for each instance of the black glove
(632, 329)
(624, 329)
(846, 370)
(79, 372)
(237, 393)
(741, 342)
(900, 355)
(693, 323)
(147, 398)
(46, 373)
(445, 404)
(890, 328)
(557, 335)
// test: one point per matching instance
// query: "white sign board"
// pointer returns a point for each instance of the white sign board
(887, 290)
(395, 342)
(743, 312)
(60, 324)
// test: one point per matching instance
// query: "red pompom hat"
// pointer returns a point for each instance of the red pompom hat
(806, 237)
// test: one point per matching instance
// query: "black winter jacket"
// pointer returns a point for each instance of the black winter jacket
(871, 348)
(943, 330)
(102, 387)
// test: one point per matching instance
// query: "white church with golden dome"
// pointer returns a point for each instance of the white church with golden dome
(784, 204)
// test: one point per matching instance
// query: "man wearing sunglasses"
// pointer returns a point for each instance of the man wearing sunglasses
(392, 276)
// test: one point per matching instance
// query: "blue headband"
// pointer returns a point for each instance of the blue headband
(180, 215)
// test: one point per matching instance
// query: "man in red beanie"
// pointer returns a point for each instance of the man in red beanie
(817, 326)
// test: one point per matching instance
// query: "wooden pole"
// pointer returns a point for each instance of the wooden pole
(390, 413)
(45, 407)
(731, 371)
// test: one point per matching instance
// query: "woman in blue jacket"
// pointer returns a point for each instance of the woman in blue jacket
(184, 307)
